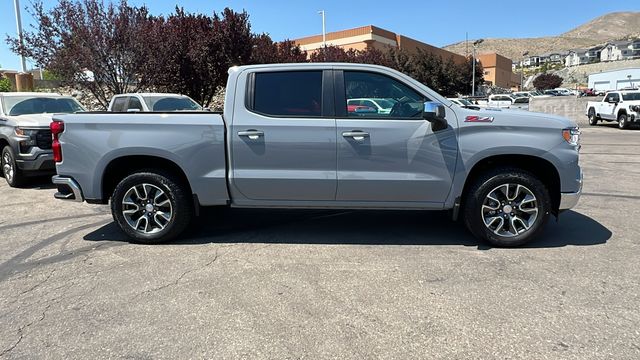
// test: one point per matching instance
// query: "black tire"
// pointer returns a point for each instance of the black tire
(593, 119)
(623, 122)
(484, 184)
(8, 163)
(181, 205)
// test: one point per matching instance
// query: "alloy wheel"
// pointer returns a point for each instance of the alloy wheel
(7, 167)
(147, 208)
(509, 210)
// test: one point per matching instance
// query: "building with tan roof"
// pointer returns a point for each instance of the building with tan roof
(373, 37)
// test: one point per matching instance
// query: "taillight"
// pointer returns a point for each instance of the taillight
(57, 127)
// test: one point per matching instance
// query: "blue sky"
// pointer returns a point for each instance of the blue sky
(438, 23)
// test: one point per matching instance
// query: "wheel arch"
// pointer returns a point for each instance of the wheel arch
(123, 166)
(543, 169)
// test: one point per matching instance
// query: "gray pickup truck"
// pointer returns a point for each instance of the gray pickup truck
(288, 139)
(25, 137)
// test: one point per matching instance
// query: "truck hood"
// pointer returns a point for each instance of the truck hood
(32, 120)
(526, 118)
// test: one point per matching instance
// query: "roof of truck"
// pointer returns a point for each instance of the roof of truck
(151, 94)
(34, 94)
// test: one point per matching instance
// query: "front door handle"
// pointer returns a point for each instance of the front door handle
(356, 135)
(251, 134)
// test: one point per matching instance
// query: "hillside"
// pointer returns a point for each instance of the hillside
(612, 26)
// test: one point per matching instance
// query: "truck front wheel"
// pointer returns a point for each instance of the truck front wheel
(12, 174)
(506, 207)
(593, 119)
(151, 206)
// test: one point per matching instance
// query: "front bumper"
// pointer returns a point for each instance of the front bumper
(40, 162)
(570, 200)
(68, 189)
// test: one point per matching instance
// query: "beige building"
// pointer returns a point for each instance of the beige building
(373, 37)
(498, 71)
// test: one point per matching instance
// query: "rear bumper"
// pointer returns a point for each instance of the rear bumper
(570, 200)
(68, 189)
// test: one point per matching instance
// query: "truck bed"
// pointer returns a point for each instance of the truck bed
(193, 141)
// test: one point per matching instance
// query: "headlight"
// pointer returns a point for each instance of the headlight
(572, 136)
(26, 132)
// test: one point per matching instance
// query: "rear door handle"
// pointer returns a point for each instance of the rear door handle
(356, 135)
(251, 134)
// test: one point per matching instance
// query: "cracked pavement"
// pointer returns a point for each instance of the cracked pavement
(326, 284)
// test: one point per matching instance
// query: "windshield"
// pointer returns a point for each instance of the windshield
(631, 96)
(171, 103)
(26, 105)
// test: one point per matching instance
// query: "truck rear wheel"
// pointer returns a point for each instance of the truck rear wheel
(593, 119)
(623, 123)
(12, 174)
(506, 207)
(151, 206)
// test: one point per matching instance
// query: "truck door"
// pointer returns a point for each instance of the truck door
(283, 136)
(607, 108)
(390, 156)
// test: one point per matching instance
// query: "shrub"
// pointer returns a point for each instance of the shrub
(5, 84)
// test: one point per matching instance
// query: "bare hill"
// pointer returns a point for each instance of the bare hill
(612, 26)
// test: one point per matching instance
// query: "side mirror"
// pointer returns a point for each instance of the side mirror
(435, 113)
(612, 101)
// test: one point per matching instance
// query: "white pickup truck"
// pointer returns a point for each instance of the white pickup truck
(508, 101)
(620, 106)
(145, 102)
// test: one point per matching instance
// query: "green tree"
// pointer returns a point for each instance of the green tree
(547, 81)
(5, 84)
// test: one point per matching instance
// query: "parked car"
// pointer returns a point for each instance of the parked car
(531, 94)
(507, 101)
(25, 137)
(588, 92)
(566, 92)
(464, 103)
(382, 106)
(500, 101)
(620, 106)
(553, 93)
(503, 172)
(146, 102)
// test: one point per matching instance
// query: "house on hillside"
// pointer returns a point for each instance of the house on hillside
(583, 56)
(553, 57)
(531, 61)
(620, 50)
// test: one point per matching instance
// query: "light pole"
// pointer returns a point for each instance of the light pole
(23, 62)
(473, 72)
(630, 83)
(324, 29)
(522, 70)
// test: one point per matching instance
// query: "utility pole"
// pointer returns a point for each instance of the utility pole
(522, 70)
(324, 29)
(23, 62)
(473, 72)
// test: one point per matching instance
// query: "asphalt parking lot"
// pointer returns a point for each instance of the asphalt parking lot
(326, 284)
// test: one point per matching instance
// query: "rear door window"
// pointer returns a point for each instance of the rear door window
(119, 104)
(288, 93)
